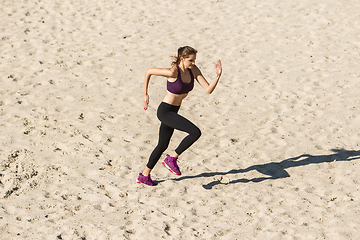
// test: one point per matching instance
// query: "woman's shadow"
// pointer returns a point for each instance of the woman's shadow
(277, 170)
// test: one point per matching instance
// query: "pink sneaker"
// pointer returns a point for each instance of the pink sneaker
(170, 163)
(145, 180)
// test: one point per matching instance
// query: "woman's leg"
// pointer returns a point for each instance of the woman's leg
(178, 122)
(165, 133)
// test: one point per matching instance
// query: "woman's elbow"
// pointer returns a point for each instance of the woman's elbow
(209, 91)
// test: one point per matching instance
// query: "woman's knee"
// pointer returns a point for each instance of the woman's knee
(196, 133)
(163, 147)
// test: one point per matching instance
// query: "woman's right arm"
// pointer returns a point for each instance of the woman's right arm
(164, 72)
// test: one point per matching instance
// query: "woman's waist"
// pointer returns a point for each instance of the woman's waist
(174, 99)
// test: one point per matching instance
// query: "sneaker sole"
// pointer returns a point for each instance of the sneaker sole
(137, 181)
(165, 165)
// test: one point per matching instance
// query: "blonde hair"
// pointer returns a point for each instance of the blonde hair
(183, 52)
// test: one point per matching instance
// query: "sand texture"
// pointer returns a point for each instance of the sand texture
(279, 155)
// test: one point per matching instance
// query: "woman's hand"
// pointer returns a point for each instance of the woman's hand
(218, 68)
(146, 101)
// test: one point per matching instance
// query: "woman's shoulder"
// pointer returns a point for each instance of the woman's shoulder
(174, 70)
(195, 70)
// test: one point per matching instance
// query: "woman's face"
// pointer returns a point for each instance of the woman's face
(189, 61)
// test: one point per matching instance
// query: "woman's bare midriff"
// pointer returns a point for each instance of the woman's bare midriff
(174, 99)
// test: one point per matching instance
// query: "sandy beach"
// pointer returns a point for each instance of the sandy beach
(279, 154)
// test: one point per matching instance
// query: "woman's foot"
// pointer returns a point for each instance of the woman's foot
(145, 180)
(171, 164)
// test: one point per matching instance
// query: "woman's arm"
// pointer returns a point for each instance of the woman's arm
(164, 72)
(209, 88)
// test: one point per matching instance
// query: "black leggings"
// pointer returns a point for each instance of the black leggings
(171, 120)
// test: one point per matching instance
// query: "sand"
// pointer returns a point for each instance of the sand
(279, 153)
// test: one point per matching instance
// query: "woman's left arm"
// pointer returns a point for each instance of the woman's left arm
(209, 88)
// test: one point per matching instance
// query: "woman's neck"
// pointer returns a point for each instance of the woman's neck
(182, 67)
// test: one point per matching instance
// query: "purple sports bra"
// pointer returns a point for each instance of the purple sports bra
(178, 86)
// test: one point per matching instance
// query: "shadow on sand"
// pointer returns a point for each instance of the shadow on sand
(277, 170)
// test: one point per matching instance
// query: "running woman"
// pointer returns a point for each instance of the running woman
(180, 81)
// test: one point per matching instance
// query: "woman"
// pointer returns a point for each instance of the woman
(180, 82)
